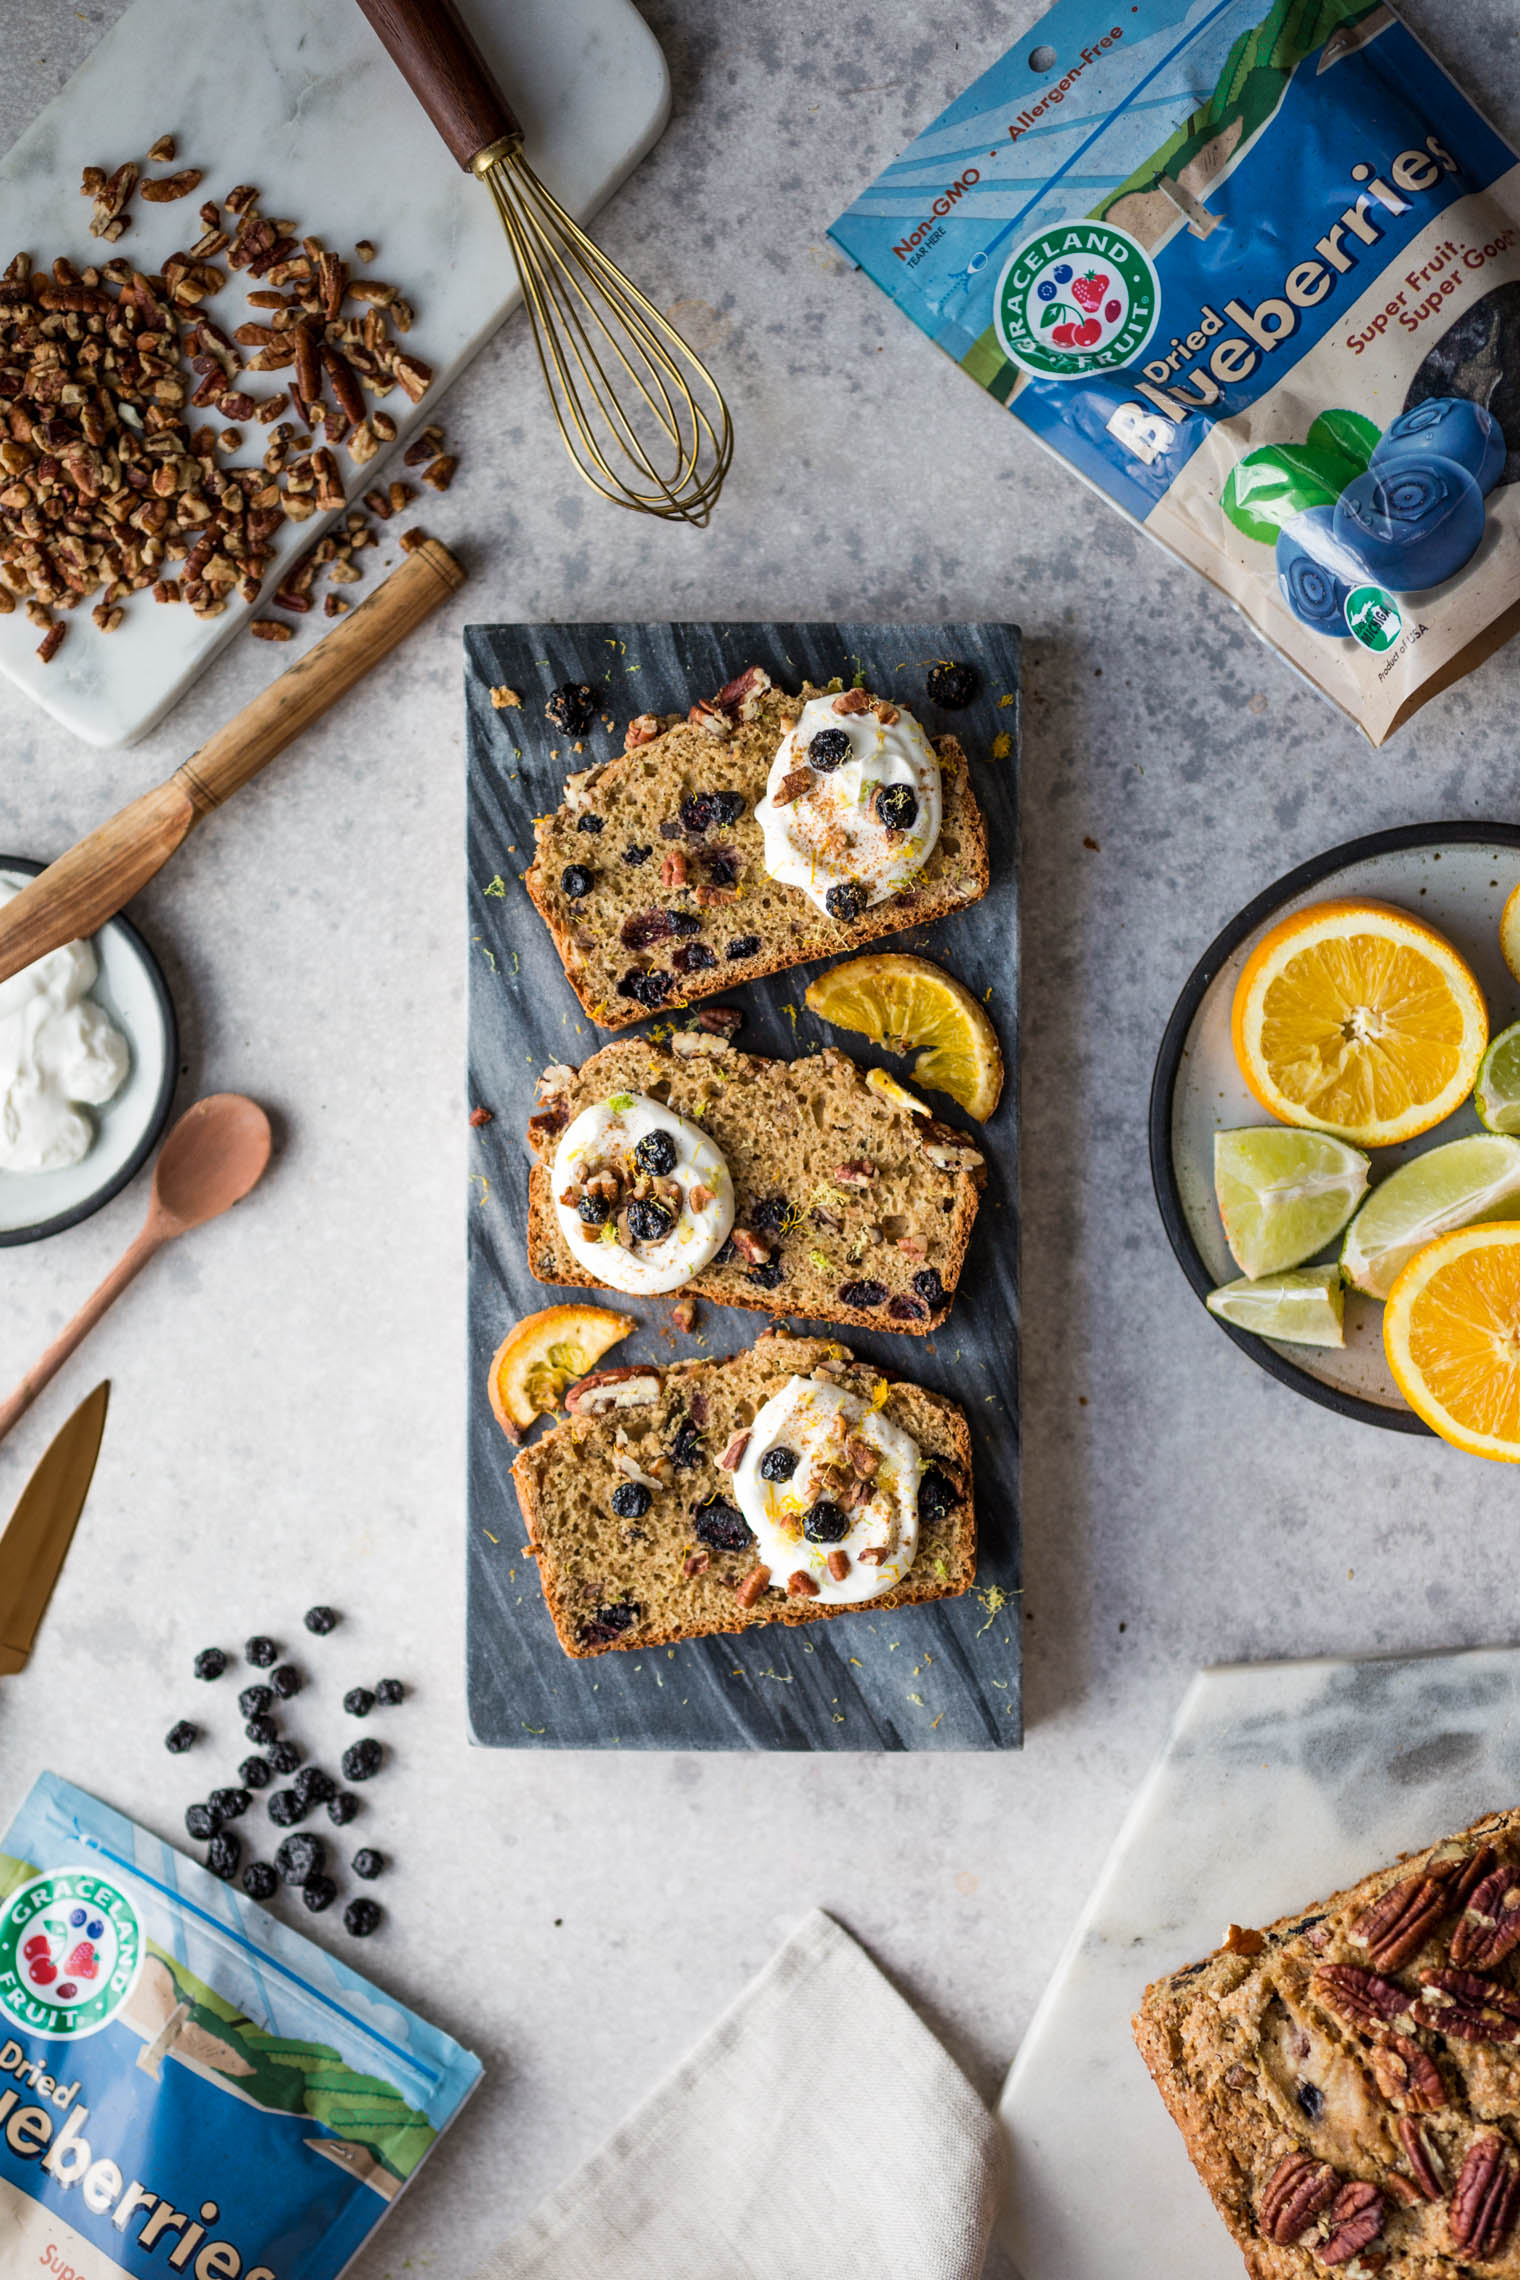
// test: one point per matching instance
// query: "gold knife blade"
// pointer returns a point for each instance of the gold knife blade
(34, 1545)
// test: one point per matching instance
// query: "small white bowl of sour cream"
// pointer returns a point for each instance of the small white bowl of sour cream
(57, 1038)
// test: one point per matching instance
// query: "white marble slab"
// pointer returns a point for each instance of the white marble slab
(1280, 1783)
(299, 97)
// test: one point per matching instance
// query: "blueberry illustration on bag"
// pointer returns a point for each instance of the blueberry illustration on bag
(186, 2086)
(1278, 323)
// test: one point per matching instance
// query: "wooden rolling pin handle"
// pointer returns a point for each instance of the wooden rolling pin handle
(47, 1366)
(437, 57)
(289, 705)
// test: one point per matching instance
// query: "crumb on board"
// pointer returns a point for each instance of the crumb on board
(505, 700)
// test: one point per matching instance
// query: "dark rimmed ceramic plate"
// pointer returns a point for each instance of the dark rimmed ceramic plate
(132, 990)
(1457, 876)
(944, 1676)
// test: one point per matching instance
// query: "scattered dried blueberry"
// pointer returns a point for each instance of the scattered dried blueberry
(285, 1809)
(232, 1804)
(300, 1857)
(631, 1500)
(656, 1154)
(210, 1662)
(255, 1700)
(261, 1732)
(649, 1222)
(181, 1737)
(743, 946)
(1310, 2100)
(727, 807)
(572, 707)
(358, 1702)
(769, 1216)
(577, 880)
(592, 823)
(313, 1786)
(905, 1309)
(261, 1652)
(721, 1525)
(767, 1276)
(223, 1854)
(320, 1620)
(287, 1681)
(641, 927)
(260, 1881)
(651, 989)
(390, 1691)
(342, 1808)
(846, 901)
(897, 807)
(686, 1449)
(254, 1772)
(828, 748)
(317, 1893)
(936, 1497)
(693, 958)
(863, 1294)
(594, 1210)
(362, 1760)
(285, 1756)
(929, 1287)
(697, 813)
(684, 922)
(634, 855)
(951, 685)
(723, 870)
(778, 1464)
(202, 1821)
(824, 1523)
(361, 1917)
(724, 1252)
(368, 1863)
(607, 1624)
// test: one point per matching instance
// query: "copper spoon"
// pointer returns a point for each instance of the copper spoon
(215, 1153)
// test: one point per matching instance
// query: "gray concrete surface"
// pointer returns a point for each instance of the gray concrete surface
(287, 1417)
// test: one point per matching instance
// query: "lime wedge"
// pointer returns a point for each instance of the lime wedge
(1496, 1095)
(1302, 1309)
(1446, 1188)
(1283, 1194)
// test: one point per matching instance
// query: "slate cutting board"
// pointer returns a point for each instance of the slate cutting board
(300, 98)
(945, 1676)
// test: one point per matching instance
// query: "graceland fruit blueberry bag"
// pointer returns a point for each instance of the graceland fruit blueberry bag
(1254, 272)
(187, 2087)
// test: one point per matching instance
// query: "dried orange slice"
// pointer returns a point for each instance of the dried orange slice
(906, 1003)
(539, 1357)
(1359, 1020)
(1451, 1330)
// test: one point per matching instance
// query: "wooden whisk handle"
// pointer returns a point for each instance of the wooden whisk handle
(437, 57)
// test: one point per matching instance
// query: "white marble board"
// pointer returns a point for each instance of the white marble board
(299, 98)
(1281, 1782)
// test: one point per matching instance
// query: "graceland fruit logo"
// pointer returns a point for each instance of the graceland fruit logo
(71, 1948)
(1080, 298)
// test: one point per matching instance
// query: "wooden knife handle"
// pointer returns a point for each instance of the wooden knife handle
(437, 57)
(279, 713)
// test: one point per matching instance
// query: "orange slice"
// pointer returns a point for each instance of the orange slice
(904, 1003)
(540, 1356)
(1509, 933)
(1451, 1330)
(1359, 1020)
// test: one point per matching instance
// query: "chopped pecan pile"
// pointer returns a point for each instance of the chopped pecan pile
(106, 486)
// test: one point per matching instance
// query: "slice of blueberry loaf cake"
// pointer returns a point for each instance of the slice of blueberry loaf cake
(1348, 2080)
(808, 1188)
(783, 1485)
(760, 832)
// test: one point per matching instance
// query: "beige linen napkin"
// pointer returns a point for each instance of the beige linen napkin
(817, 2132)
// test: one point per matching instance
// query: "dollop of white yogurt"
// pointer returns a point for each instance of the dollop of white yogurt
(833, 834)
(604, 1139)
(815, 1421)
(58, 1050)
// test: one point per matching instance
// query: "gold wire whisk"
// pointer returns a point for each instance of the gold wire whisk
(642, 418)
